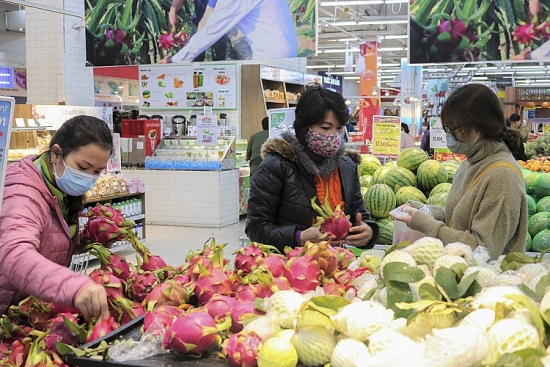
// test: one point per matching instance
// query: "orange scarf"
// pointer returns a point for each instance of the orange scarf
(331, 189)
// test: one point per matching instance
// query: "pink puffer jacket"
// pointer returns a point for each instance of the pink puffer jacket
(35, 244)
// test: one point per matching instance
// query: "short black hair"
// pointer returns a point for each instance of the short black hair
(314, 105)
(405, 127)
(514, 117)
(265, 123)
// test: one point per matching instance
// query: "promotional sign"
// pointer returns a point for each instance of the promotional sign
(6, 116)
(53, 116)
(332, 82)
(152, 135)
(280, 120)
(207, 130)
(228, 131)
(368, 65)
(114, 163)
(512, 30)
(437, 134)
(188, 87)
(169, 31)
(19, 88)
(386, 135)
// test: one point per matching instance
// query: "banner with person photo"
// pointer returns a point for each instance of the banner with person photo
(465, 31)
(143, 32)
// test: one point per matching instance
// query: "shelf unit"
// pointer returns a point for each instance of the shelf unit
(255, 103)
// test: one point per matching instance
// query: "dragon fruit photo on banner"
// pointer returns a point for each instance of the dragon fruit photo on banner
(446, 32)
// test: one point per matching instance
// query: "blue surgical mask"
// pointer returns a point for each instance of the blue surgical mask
(74, 182)
(458, 147)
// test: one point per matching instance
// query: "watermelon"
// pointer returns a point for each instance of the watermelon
(538, 222)
(379, 175)
(410, 158)
(365, 180)
(543, 205)
(541, 186)
(531, 205)
(541, 242)
(404, 194)
(380, 200)
(451, 167)
(363, 190)
(391, 164)
(438, 199)
(429, 175)
(528, 242)
(368, 165)
(442, 187)
(399, 177)
(385, 236)
(529, 178)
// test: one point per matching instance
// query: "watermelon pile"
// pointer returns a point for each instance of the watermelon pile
(537, 186)
(413, 176)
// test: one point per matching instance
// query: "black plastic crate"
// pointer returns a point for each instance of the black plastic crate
(132, 331)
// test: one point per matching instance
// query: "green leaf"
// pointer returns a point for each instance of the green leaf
(447, 280)
(525, 289)
(509, 360)
(370, 293)
(542, 284)
(465, 284)
(429, 292)
(533, 311)
(533, 361)
(515, 260)
(259, 304)
(459, 269)
(546, 316)
(65, 349)
(402, 272)
(79, 332)
(468, 8)
(330, 302)
(460, 14)
(480, 11)
(399, 292)
(526, 354)
(418, 305)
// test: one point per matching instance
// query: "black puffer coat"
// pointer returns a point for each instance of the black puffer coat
(283, 186)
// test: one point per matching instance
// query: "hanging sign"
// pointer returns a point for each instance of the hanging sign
(280, 120)
(114, 163)
(386, 135)
(6, 117)
(437, 134)
(207, 130)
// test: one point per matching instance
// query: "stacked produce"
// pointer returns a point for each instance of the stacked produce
(412, 177)
(540, 147)
(537, 187)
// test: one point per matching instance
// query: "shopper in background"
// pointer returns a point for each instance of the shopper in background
(254, 147)
(39, 231)
(486, 205)
(298, 167)
(516, 124)
(425, 143)
(406, 140)
(518, 154)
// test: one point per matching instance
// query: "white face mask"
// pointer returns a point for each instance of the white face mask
(458, 147)
(74, 182)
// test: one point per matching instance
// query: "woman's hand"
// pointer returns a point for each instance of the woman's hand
(166, 60)
(92, 302)
(406, 215)
(314, 234)
(359, 235)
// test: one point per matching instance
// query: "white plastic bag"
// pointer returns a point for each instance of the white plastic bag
(149, 344)
(401, 232)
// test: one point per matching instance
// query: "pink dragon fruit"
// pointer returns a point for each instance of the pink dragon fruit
(114, 47)
(102, 327)
(543, 31)
(332, 222)
(303, 273)
(165, 314)
(241, 312)
(249, 292)
(294, 252)
(246, 258)
(346, 277)
(326, 256)
(18, 353)
(220, 306)
(167, 41)
(182, 279)
(60, 331)
(525, 33)
(345, 257)
(192, 333)
(280, 284)
(104, 231)
(140, 284)
(110, 262)
(333, 288)
(57, 309)
(274, 263)
(169, 293)
(113, 285)
(136, 311)
(203, 258)
(452, 37)
(152, 263)
(241, 349)
(215, 281)
(181, 38)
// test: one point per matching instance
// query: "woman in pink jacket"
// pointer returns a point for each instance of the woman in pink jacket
(39, 219)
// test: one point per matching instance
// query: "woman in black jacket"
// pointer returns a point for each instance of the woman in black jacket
(296, 168)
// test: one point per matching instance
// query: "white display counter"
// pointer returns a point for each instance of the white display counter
(190, 198)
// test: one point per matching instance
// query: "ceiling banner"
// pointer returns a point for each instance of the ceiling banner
(141, 32)
(367, 66)
(443, 32)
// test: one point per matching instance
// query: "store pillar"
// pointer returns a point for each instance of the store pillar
(411, 96)
(56, 56)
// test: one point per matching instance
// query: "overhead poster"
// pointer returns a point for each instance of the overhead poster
(144, 32)
(443, 32)
(206, 85)
(386, 135)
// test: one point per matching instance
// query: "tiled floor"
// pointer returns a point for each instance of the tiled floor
(174, 243)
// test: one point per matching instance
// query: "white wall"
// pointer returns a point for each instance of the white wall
(350, 88)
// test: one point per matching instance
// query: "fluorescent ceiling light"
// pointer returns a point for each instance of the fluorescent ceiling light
(5, 74)
(369, 22)
(343, 72)
(352, 78)
(336, 51)
(389, 49)
(395, 36)
(390, 65)
(362, 2)
(4, 82)
(320, 66)
(531, 72)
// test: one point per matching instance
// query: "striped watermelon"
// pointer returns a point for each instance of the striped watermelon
(399, 177)
(451, 167)
(442, 187)
(531, 205)
(429, 175)
(380, 200)
(438, 199)
(391, 164)
(365, 180)
(410, 158)
(386, 231)
(379, 175)
(404, 194)
(369, 164)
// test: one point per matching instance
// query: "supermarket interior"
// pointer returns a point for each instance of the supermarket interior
(188, 250)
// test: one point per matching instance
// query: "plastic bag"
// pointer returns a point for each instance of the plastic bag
(149, 344)
(402, 232)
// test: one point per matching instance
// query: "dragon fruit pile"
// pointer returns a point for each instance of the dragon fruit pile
(423, 304)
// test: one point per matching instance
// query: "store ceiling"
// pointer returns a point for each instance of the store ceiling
(355, 21)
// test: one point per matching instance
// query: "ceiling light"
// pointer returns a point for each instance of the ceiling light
(395, 36)
(370, 22)
(352, 78)
(374, 91)
(320, 66)
(389, 49)
(362, 2)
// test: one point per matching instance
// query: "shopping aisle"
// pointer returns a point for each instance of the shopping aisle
(174, 243)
